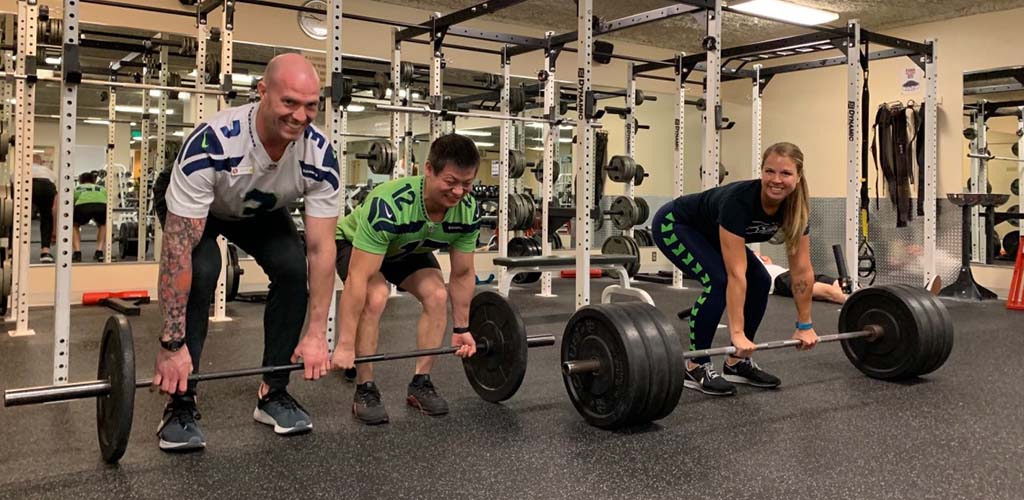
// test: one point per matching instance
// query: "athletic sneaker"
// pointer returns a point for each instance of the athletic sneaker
(367, 405)
(98, 256)
(46, 258)
(179, 429)
(747, 372)
(705, 379)
(423, 396)
(279, 409)
(76, 256)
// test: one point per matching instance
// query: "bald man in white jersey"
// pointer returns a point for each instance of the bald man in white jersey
(234, 177)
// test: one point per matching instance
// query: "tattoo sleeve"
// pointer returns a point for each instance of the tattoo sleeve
(180, 236)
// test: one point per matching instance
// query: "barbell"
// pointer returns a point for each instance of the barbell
(623, 364)
(495, 372)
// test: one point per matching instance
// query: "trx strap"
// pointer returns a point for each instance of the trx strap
(865, 254)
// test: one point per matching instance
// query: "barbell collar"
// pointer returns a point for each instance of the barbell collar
(580, 366)
(97, 388)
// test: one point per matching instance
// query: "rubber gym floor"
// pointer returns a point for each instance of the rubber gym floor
(827, 432)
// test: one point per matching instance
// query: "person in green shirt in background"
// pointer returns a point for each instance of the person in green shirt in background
(90, 205)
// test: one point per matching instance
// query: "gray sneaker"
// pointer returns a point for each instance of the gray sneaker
(367, 405)
(424, 397)
(279, 409)
(179, 429)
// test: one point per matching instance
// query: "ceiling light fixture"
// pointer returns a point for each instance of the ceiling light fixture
(785, 11)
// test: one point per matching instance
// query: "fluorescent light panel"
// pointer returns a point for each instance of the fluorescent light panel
(138, 109)
(474, 133)
(785, 11)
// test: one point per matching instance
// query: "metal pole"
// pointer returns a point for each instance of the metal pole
(712, 96)
(979, 184)
(144, 172)
(161, 144)
(65, 200)
(337, 121)
(677, 181)
(755, 132)
(853, 150)
(931, 165)
(503, 180)
(436, 66)
(583, 156)
(630, 133)
(551, 133)
(114, 194)
(396, 118)
(24, 133)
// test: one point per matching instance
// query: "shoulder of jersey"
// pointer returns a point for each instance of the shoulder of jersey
(219, 142)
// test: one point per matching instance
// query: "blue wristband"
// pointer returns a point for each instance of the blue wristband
(804, 326)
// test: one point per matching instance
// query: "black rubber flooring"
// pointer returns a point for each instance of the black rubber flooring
(828, 432)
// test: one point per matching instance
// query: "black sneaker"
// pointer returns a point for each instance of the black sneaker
(350, 374)
(76, 256)
(367, 405)
(423, 396)
(279, 409)
(179, 429)
(705, 379)
(46, 258)
(747, 372)
(97, 256)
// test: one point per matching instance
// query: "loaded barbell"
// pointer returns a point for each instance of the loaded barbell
(495, 372)
(622, 364)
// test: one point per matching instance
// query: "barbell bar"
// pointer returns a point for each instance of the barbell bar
(993, 157)
(593, 365)
(495, 372)
(101, 388)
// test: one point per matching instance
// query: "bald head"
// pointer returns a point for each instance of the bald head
(291, 70)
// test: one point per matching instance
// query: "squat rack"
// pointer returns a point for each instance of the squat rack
(854, 42)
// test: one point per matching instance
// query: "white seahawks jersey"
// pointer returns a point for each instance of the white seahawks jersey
(223, 169)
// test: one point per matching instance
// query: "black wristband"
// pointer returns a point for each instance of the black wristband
(460, 329)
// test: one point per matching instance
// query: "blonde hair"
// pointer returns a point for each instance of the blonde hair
(796, 206)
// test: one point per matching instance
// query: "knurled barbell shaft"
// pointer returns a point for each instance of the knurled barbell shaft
(592, 365)
(96, 388)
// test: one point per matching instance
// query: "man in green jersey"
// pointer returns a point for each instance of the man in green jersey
(90, 205)
(391, 237)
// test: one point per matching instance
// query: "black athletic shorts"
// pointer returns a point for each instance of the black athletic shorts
(395, 271)
(90, 211)
(783, 285)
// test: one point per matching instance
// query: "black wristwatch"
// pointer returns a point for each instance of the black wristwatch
(173, 345)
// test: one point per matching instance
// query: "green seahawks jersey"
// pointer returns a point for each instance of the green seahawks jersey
(392, 221)
(90, 193)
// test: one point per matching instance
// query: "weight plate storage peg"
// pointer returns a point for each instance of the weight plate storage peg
(621, 168)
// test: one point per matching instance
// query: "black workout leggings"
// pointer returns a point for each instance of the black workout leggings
(270, 238)
(43, 193)
(690, 251)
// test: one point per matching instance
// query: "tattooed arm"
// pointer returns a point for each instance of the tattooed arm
(181, 235)
(802, 275)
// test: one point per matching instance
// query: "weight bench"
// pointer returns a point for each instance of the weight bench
(614, 264)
